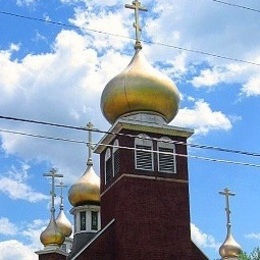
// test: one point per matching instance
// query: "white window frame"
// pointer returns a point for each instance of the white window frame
(166, 142)
(145, 141)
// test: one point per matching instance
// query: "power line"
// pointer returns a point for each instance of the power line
(129, 38)
(236, 5)
(132, 148)
(41, 136)
(207, 147)
(43, 123)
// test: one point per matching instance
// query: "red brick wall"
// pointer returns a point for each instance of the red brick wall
(152, 216)
(52, 256)
(152, 219)
(102, 248)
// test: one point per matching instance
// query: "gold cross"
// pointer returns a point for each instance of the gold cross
(136, 5)
(227, 193)
(53, 174)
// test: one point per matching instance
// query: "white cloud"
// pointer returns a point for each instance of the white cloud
(253, 236)
(107, 29)
(33, 231)
(252, 87)
(207, 77)
(25, 2)
(202, 239)
(202, 118)
(13, 184)
(6, 227)
(87, 2)
(13, 249)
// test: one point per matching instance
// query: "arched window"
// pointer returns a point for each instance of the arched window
(116, 158)
(143, 153)
(108, 167)
(166, 155)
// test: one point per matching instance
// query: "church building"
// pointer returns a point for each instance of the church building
(139, 207)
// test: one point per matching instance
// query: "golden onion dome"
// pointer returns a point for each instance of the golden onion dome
(52, 235)
(63, 223)
(86, 189)
(140, 88)
(230, 248)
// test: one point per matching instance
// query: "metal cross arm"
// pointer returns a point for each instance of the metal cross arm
(53, 174)
(136, 6)
(227, 193)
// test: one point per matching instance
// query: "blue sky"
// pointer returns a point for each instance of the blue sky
(57, 73)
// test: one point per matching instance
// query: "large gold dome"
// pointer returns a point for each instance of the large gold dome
(230, 248)
(52, 235)
(86, 189)
(140, 88)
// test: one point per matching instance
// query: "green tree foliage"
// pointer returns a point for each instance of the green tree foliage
(254, 255)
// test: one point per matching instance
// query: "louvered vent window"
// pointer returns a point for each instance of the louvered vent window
(116, 161)
(108, 167)
(143, 153)
(166, 156)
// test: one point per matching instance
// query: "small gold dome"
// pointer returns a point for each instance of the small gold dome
(230, 248)
(64, 224)
(140, 88)
(86, 189)
(52, 235)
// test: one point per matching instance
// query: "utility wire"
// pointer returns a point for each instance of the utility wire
(236, 5)
(132, 148)
(129, 38)
(41, 136)
(130, 136)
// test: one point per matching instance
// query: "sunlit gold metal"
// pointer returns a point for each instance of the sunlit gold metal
(230, 249)
(139, 87)
(61, 220)
(52, 235)
(87, 188)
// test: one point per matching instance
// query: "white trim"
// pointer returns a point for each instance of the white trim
(147, 145)
(51, 250)
(167, 145)
(123, 123)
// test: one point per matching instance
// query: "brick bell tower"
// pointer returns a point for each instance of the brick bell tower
(143, 165)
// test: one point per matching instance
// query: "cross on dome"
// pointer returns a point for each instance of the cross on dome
(90, 129)
(53, 174)
(61, 185)
(227, 194)
(136, 6)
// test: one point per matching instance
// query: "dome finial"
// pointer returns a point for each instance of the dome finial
(61, 220)
(136, 5)
(61, 185)
(52, 236)
(87, 188)
(90, 128)
(53, 174)
(230, 249)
